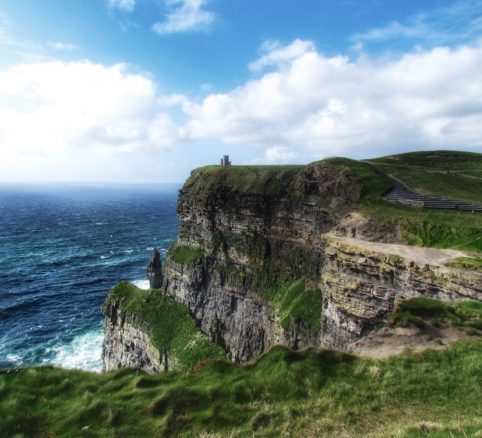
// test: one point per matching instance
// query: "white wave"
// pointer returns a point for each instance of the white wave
(141, 284)
(83, 352)
(15, 359)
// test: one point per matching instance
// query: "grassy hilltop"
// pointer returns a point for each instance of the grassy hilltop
(442, 173)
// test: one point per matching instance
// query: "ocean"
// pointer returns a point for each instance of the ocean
(61, 250)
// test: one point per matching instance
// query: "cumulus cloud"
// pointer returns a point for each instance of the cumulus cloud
(123, 5)
(185, 16)
(334, 105)
(57, 108)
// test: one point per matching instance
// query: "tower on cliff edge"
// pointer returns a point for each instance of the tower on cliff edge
(225, 161)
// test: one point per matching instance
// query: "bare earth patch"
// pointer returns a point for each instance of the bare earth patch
(419, 254)
(393, 341)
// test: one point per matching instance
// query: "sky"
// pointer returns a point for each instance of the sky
(143, 91)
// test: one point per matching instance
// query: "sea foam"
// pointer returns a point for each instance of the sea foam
(83, 352)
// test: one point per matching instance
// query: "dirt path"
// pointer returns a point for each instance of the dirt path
(428, 256)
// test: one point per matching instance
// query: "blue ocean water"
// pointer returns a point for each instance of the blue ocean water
(61, 250)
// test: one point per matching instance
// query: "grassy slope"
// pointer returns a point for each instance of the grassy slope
(456, 175)
(168, 323)
(286, 393)
(466, 315)
(440, 229)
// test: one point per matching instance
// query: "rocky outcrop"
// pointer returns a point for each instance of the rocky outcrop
(154, 270)
(127, 346)
(256, 242)
(149, 330)
(361, 286)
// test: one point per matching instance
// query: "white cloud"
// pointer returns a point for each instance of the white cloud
(279, 154)
(185, 16)
(123, 5)
(58, 109)
(277, 55)
(332, 105)
(58, 45)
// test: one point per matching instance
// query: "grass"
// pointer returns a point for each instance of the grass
(420, 311)
(213, 183)
(310, 394)
(442, 173)
(453, 161)
(296, 305)
(471, 263)
(169, 324)
(186, 254)
(422, 227)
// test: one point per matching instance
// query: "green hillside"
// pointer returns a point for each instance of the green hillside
(285, 393)
(450, 174)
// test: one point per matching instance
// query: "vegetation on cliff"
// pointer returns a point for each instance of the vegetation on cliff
(168, 323)
(466, 315)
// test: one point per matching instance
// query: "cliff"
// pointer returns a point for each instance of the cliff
(263, 258)
(150, 331)
(271, 255)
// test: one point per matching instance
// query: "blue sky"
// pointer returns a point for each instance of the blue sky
(146, 90)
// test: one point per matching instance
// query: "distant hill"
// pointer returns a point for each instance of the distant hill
(451, 174)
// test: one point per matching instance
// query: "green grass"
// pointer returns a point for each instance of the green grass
(295, 304)
(185, 254)
(422, 227)
(285, 393)
(471, 263)
(454, 161)
(431, 228)
(440, 173)
(168, 323)
(420, 311)
(212, 183)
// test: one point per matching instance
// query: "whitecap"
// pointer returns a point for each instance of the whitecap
(14, 359)
(83, 352)
(141, 284)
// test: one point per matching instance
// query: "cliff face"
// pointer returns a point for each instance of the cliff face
(362, 283)
(260, 253)
(260, 260)
(148, 330)
(127, 346)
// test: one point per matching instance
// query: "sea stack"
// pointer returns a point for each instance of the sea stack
(154, 270)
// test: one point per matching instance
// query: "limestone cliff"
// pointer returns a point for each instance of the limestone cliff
(150, 331)
(259, 263)
(281, 255)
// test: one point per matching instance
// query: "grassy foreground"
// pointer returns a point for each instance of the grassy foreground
(309, 394)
